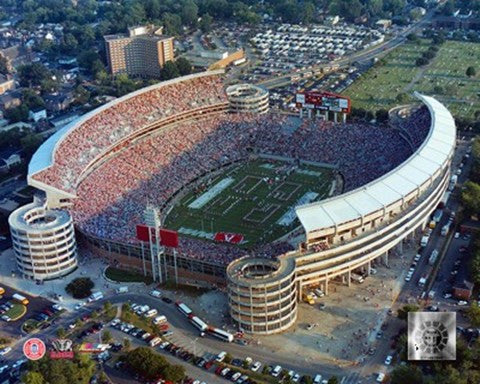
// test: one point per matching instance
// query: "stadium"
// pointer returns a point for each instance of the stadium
(264, 203)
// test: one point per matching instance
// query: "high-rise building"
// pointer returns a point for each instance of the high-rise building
(142, 52)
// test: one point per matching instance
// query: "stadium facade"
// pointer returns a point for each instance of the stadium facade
(342, 234)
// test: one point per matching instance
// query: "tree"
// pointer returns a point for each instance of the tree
(471, 72)
(406, 374)
(381, 115)
(403, 312)
(228, 358)
(80, 288)
(184, 66)
(61, 333)
(174, 373)
(307, 379)
(16, 114)
(3, 65)
(471, 197)
(189, 13)
(126, 343)
(32, 74)
(473, 314)
(82, 96)
(145, 362)
(421, 61)
(402, 97)
(30, 143)
(107, 306)
(169, 71)
(107, 336)
(333, 380)
(206, 23)
(33, 377)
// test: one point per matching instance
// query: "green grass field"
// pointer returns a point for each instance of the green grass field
(444, 77)
(255, 197)
(16, 312)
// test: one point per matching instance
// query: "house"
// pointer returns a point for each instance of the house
(59, 101)
(10, 100)
(462, 289)
(37, 114)
(383, 24)
(6, 84)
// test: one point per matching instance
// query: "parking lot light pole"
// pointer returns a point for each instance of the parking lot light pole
(194, 342)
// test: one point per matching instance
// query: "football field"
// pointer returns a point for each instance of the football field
(251, 203)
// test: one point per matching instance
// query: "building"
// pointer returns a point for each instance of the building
(43, 241)
(342, 234)
(142, 52)
(37, 114)
(6, 84)
(58, 102)
(10, 100)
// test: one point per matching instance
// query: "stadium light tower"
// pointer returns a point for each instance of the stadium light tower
(151, 217)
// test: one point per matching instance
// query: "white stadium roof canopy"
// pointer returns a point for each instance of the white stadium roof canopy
(393, 186)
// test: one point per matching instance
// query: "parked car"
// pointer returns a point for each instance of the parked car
(388, 360)
(256, 366)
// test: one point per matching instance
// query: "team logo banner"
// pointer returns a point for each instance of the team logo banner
(34, 349)
(232, 238)
(62, 349)
(431, 335)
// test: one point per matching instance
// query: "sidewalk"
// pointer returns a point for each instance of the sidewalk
(88, 266)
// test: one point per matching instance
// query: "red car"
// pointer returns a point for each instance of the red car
(218, 370)
(208, 365)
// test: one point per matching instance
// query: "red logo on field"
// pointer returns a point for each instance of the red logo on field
(34, 349)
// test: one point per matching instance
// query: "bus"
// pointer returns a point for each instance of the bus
(223, 335)
(184, 308)
(21, 299)
(199, 323)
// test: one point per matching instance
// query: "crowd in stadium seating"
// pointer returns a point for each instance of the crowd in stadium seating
(112, 198)
(95, 135)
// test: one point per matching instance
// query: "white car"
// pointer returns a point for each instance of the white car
(79, 306)
(256, 366)
(457, 235)
(388, 360)
(380, 377)
(296, 378)
(19, 363)
(115, 322)
(72, 326)
(3, 368)
(462, 303)
(417, 257)
(447, 295)
(6, 318)
(5, 350)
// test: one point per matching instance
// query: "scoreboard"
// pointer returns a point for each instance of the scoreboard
(325, 101)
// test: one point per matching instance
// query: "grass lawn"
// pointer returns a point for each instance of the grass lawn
(16, 312)
(250, 200)
(126, 276)
(444, 77)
